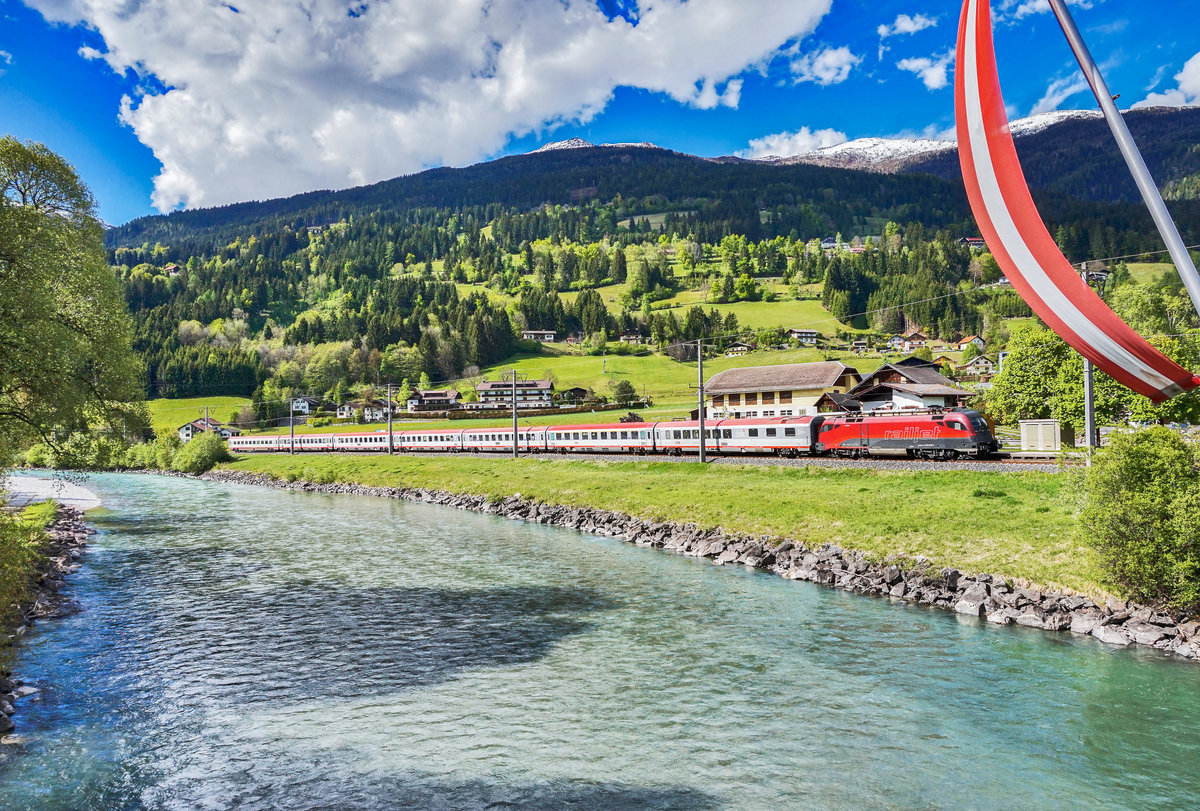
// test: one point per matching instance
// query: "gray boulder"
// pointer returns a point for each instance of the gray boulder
(1110, 635)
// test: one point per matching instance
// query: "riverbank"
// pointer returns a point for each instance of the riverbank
(999, 598)
(46, 562)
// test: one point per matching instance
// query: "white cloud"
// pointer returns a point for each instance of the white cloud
(276, 98)
(1012, 10)
(785, 144)
(826, 66)
(905, 24)
(6, 59)
(1186, 93)
(1059, 91)
(932, 70)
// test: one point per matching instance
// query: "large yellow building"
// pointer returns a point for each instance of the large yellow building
(789, 390)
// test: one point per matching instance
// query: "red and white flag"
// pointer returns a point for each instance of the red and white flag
(1018, 238)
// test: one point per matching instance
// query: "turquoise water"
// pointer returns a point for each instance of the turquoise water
(241, 647)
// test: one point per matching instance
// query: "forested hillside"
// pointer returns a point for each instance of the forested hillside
(435, 275)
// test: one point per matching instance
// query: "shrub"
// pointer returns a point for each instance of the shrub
(201, 454)
(1140, 501)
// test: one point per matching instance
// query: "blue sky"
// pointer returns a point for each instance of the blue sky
(185, 102)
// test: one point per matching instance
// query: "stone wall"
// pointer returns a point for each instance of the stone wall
(990, 597)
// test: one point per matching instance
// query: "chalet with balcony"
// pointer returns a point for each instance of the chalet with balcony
(499, 394)
(908, 384)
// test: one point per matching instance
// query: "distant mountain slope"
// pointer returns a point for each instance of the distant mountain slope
(1065, 155)
(1076, 155)
(578, 173)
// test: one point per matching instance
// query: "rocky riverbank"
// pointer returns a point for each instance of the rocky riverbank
(989, 597)
(66, 540)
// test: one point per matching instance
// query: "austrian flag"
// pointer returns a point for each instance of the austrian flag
(1018, 238)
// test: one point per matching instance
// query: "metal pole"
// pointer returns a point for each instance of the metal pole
(700, 391)
(1089, 392)
(291, 425)
(1158, 209)
(389, 410)
(514, 393)
(1089, 409)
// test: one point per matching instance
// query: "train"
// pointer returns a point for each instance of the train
(933, 434)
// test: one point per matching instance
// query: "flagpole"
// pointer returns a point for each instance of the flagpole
(1137, 165)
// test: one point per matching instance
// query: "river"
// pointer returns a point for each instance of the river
(253, 648)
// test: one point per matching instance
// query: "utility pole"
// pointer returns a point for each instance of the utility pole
(389, 409)
(1089, 392)
(516, 440)
(700, 391)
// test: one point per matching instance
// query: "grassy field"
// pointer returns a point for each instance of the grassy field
(1149, 272)
(167, 415)
(1014, 524)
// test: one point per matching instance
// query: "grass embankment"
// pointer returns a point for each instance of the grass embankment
(1016, 524)
(22, 537)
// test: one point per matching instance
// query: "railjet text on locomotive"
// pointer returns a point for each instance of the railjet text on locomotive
(1018, 238)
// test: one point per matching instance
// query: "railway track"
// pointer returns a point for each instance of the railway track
(998, 464)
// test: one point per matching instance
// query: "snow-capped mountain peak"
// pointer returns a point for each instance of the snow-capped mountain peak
(579, 143)
(570, 143)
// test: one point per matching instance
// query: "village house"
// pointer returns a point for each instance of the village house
(972, 339)
(574, 395)
(832, 402)
(978, 366)
(804, 337)
(910, 383)
(499, 394)
(195, 427)
(304, 405)
(858, 347)
(974, 243)
(737, 348)
(913, 341)
(172, 270)
(434, 400)
(632, 338)
(788, 390)
(372, 411)
(546, 336)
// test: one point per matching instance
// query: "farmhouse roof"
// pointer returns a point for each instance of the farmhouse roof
(923, 379)
(820, 375)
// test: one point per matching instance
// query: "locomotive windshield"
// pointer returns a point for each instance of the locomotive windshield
(978, 424)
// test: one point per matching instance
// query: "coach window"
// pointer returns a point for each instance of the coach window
(753, 432)
(675, 435)
(789, 431)
(726, 433)
(624, 435)
(770, 432)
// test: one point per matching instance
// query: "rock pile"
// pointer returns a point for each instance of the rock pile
(989, 597)
(67, 537)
